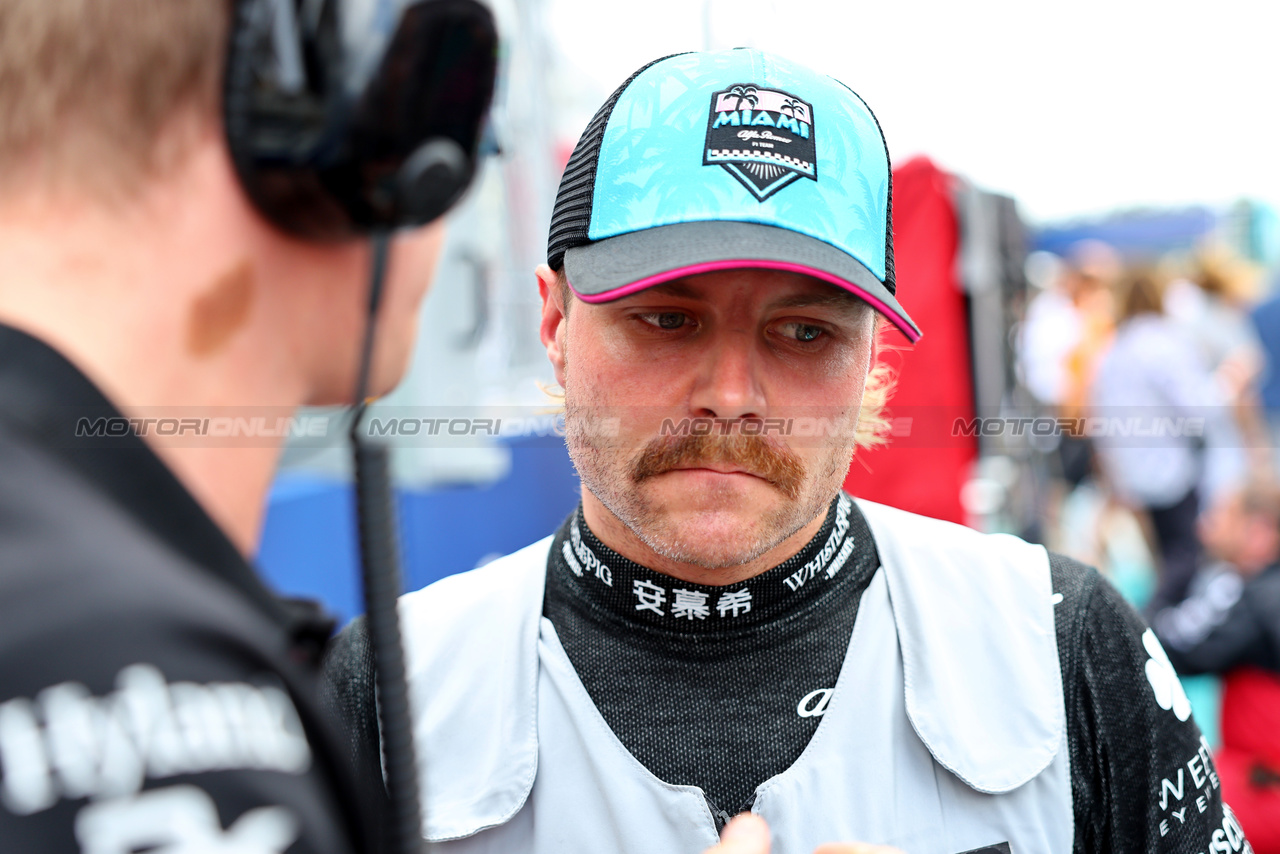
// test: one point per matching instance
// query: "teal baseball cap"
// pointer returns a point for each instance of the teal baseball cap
(728, 160)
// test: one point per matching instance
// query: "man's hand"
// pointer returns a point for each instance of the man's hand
(748, 834)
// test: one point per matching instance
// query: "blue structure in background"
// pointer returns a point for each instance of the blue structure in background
(1249, 227)
(309, 541)
(1146, 234)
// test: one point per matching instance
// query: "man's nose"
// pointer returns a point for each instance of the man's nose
(729, 383)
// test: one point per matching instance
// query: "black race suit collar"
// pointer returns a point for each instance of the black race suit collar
(635, 595)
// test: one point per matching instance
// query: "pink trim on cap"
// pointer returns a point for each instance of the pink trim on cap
(712, 266)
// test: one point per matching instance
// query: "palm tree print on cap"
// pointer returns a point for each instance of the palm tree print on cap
(795, 108)
(745, 93)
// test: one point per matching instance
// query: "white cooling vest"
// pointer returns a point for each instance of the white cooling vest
(945, 732)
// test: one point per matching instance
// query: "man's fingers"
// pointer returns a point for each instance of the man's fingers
(746, 834)
(749, 834)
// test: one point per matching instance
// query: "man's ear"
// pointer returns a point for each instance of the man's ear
(552, 329)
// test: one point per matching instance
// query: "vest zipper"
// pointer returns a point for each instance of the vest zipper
(719, 816)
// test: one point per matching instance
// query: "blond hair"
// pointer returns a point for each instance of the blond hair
(88, 88)
(873, 418)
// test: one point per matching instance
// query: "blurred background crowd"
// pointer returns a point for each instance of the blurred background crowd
(1085, 226)
(1164, 368)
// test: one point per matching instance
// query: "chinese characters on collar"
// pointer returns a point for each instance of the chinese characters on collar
(689, 604)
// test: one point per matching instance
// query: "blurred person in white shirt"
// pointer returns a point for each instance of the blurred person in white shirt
(1162, 426)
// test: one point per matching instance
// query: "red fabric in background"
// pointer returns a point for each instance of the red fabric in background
(924, 471)
(1250, 738)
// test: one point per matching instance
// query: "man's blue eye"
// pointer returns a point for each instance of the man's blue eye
(804, 332)
(669, 320)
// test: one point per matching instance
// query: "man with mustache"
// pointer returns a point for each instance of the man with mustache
(718, 628)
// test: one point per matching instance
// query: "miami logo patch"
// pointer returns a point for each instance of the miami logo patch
(762, 137)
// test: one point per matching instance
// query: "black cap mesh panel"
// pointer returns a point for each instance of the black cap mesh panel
(890, 278)
(571, 218)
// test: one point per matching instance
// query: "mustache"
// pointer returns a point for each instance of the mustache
(777, 464)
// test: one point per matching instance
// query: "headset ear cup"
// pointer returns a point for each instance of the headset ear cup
(432, 179)
(369, 130)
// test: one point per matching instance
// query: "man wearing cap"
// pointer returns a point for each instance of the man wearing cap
(718, 628)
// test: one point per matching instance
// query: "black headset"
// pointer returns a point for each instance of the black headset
(348, 118)
(353, 118)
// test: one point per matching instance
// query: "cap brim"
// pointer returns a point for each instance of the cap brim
(617, 266)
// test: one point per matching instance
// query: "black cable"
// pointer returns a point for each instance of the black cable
(380, 571)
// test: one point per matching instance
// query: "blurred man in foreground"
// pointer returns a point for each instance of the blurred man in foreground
(154, 695)
(718, 628)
